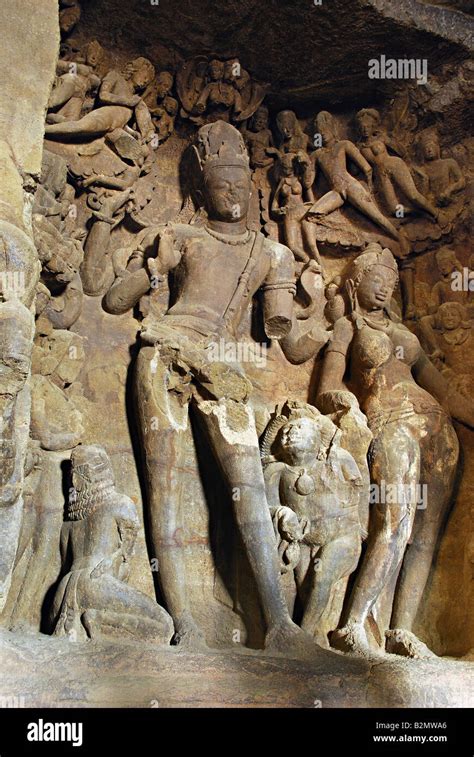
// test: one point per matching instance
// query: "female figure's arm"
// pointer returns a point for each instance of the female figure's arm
(276, 209)
(331, 382)
(354, 154)
(456, 180)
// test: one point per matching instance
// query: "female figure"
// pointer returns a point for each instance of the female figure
(293, 197)
(391, 171)
(407, 403)
(332, 159)
(291, 137)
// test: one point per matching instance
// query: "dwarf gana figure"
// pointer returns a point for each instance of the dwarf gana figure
(312, 489)
(97, 543)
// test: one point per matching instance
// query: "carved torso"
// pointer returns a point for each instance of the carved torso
(203, 293)
(382, 358)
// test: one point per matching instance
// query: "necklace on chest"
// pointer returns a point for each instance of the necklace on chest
(227, 238)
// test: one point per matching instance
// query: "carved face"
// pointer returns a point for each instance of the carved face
(450, 316)
(260, 120)
(94, 54)
(325, 127)
(446, 263)
(141, 77)
(170, 105)
(216, 70)
(430, 149)
(164, 82)
(227, 193)
(366, 124)
(286, 125)
(375, 289)
(300, 435)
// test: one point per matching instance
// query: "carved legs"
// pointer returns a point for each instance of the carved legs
(293, 239)
(128, 611)
(94, 124)
(363, 202)
(231, 429)
(439, 469)
(336, 560)
(163, 422)
(395, 460)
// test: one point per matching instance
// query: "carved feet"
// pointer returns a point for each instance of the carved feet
(406, 644)
(290, 640)
(352, 639)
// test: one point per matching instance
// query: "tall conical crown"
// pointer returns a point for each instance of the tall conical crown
(220, 144)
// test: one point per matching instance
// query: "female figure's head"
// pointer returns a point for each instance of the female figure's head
(287, 124)
(372, 280)
(368, 122)
(447, 262)
(291, 135)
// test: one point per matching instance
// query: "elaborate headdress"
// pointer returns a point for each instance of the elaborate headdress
(374, 254)
(220, 144)
(371, 112)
